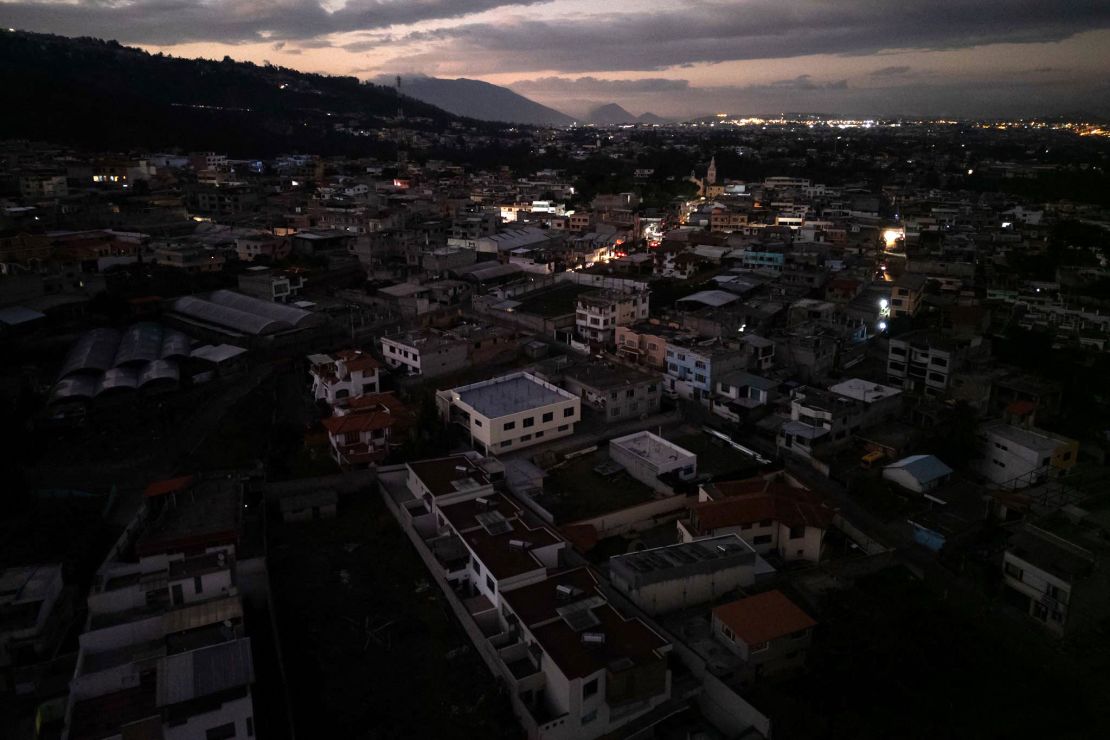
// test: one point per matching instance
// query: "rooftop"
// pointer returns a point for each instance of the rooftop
(441, 475)
(925, 468)
(685, 559)
(757, 500)
(864, 390)
(510, 394)
(204, 513)
(763, 617)
(654, 449)
(1033, 439)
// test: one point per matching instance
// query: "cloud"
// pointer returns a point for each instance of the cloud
(894, 71)
(168, 22)
(711, 32)
(595, 85)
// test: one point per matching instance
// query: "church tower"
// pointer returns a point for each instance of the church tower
(711, 173)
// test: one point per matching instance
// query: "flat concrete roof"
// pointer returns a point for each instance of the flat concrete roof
(510, 395)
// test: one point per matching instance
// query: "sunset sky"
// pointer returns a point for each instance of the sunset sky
(857, 57)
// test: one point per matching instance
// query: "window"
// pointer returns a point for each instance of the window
(525, 437)
(477, 422)
(223, 732)
(510, 425)
(530, 422)
(539, 434)
(589, 688)
(673, 367)
(568, 411)
(564, 427)
(699, 377)
(936, 377)
(589, 717)
(1013, 571)
(651, 389)
(699, 364)
(506, 443)
(763, 539)
(797, 532)
(766, 522)
(198, 585)
(250, 726)
(548, 416)
(728, 633)
(490, 585)
(682, 357)
(615, 412)
(630, 393)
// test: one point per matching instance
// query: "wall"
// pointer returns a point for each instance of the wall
(638, 518)
(698, 588)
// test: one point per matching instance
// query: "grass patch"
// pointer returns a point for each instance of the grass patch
(336, 581)
(575, 491)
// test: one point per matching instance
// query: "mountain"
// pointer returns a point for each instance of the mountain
(104, 96)
(610, 114)
(483, 101)
(651, 119)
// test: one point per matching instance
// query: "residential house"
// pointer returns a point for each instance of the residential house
(771, 514)
(615, 392)
(769, 632)
(366, 428)
(345, 375)
(599, 313)
(918, 473)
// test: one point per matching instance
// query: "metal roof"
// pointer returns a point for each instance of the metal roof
(140, 343)
(924, 468)
(159, 370)
(94, 351)
(200, 673)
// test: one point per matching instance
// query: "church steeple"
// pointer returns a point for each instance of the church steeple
(711, 173)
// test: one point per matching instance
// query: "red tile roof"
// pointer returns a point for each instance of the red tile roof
(758, 499)
(369, 412)
(763, 617)
(356, 360)
(170, 485)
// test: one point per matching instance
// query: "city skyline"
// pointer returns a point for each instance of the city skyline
(942, 58)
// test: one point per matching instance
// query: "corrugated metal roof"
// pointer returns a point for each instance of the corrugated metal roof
(203, 672)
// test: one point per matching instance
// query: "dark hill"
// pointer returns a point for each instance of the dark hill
(102, 95)
(482, 100)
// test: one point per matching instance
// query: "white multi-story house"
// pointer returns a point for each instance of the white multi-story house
(1022, 456)
(425, 353)
(171, 611)
(347, 374)
(510, 412)
(771, 515)
(923, 362)
(600, 312)
(1055, 570)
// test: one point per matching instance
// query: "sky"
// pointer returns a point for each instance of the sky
(679, 58)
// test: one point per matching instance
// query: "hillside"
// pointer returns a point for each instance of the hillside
(102, 95)
(483, 101)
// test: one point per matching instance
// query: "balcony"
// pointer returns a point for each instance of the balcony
(520, 668)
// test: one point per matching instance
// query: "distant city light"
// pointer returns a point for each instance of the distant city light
(891, 237)
(882, 326)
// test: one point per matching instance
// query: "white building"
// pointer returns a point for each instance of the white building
(347, 374)
(646, 457)
(425, 353)
(510, 412)
(1022, 455)
(918, 473)
(773, 516)
(599, 313)
(164, 652)
(673, 577)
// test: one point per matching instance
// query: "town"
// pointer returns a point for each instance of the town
(725, 429)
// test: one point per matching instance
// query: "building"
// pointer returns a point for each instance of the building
(674, 577)
(165, 651)
(573, 665)
(366, 428)
(343, 376)
(906, 294)
(510, 412)
(262, 247)
(427, 353)
(279, 286)
(693, 366)
(653, 461)
(582, 669)
(35, 609)
(737, 393)
(1020, 456)
(615, 392)
(1055, 570)
(922, 362)
(881, 403)
(598, 313)
(642, 345)
(772, 515)
(918, 473)
(819, 418)
(769, 632)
